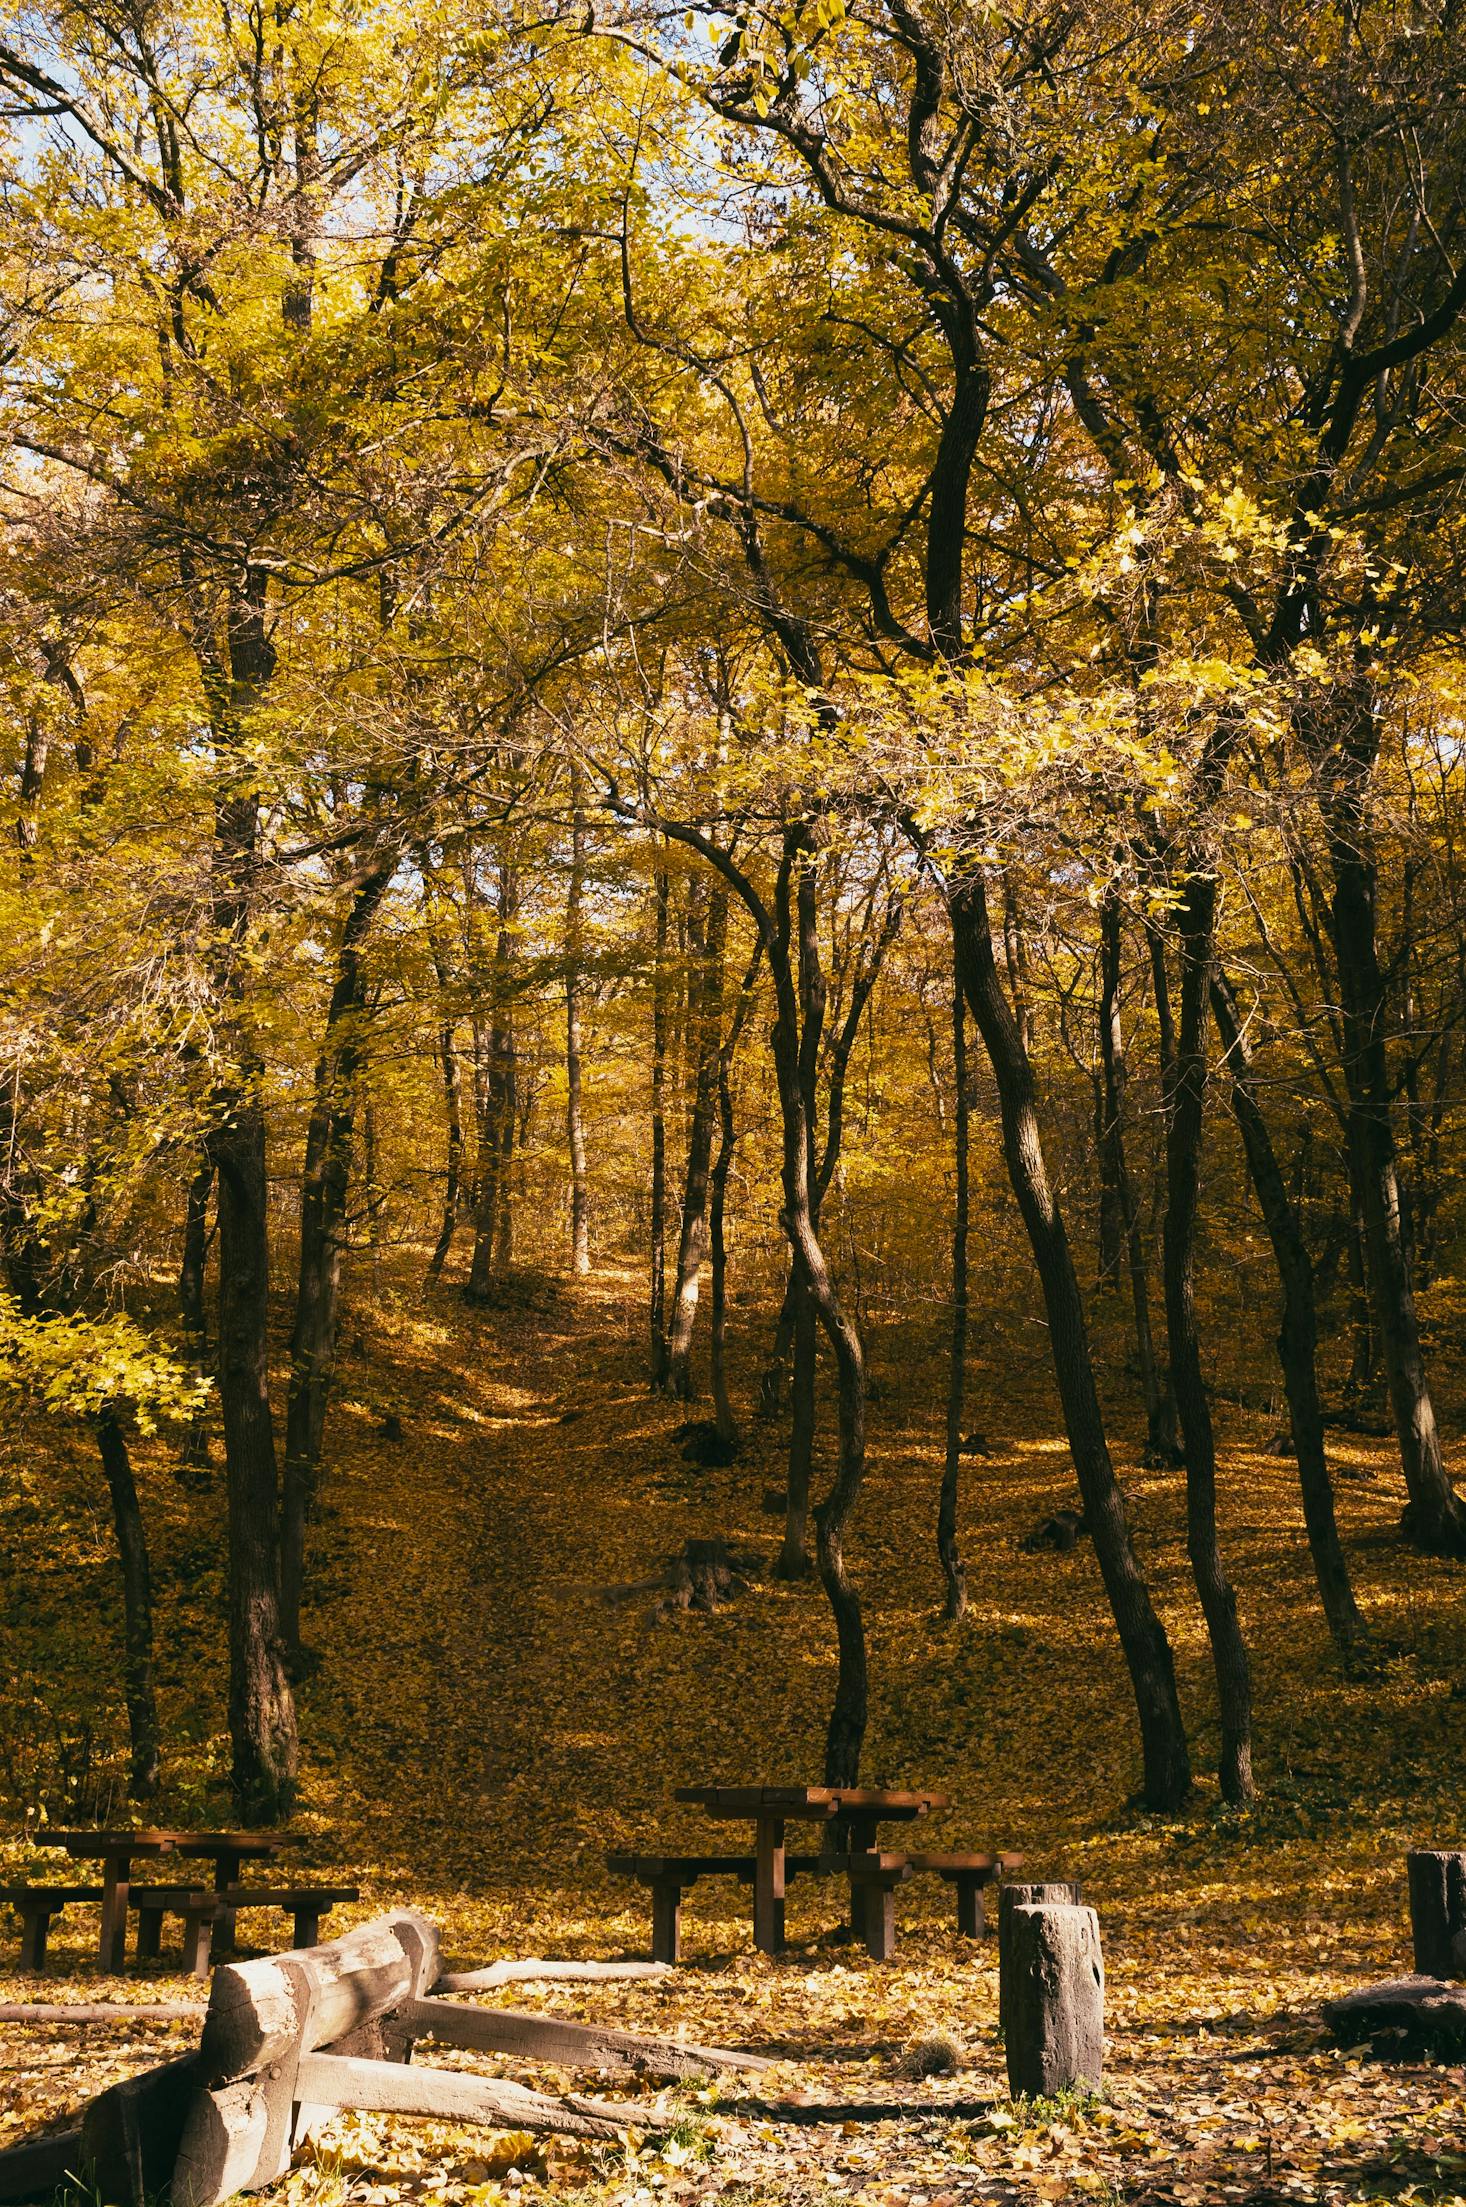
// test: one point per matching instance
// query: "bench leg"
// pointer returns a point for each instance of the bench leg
(149, 1934)
(35, 1923)
(768, 1886)
(198, 1937)
(971, 1912)
(306, 1930)
(666, 1921)
(878, 1908)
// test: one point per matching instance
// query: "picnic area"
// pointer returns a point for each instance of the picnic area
(732, 1103)
(1222, 1934)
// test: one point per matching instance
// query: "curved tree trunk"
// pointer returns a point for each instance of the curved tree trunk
(1347, 744)
(708, 942)
(139, 1681)
(1298, 1338)
(325, 1187)
(574, 959)
(1162, 1435)
(453, 1174)
(661, 1021)
(954, 1572)
(1185, 1101)
(1166, 1762)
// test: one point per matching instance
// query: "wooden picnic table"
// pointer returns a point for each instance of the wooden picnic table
(851, 1816)
(118, 1850)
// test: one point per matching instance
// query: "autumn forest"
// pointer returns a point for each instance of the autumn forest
(733, 984)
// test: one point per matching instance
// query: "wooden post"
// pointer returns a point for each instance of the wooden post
(666, 1920)
(149, 1932)
(35, 1924)
(116, 1877)
(1022, 1896)
(878, 1913)
(1438, 1910)
(1054, 1982)
(971, 1914)
(768, 1885)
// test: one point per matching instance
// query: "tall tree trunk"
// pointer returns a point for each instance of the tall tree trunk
(708, 941)
(1364, 1344)
(497, 1111)
(193, 1304)
(1435, 1517)
(1185, 1103)
(657, 1314)
(453, 1174)
(574, 961)
(325, 1186)
(139, 1682)
(1166, 1763)
(726, 1422)
(954, 1572)
(774, 1377)
(1298, 1337)
(794, 1560)
(1162, 1435)
(261, 1706)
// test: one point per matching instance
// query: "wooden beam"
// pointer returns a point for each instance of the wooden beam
(389, 2088)
(546, 2038)
(130, 2132)
(101, 2011)
(254, 2017)
(40, 2167)
(527, 1972)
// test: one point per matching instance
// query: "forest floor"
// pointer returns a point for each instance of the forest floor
(482, 1726)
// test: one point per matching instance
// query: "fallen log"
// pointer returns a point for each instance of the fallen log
(40, 2167)
(101, 2011)
(1420, 2013)
(529, 1972)
(545, 2038)
(388, 2088)
(260, 2012)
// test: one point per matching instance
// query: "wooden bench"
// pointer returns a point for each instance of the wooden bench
(201, 1910)
(873, 1881)
(668, 1877)
(969, 1873)
(37, 1905)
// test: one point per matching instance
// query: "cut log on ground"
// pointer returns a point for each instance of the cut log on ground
(387, 2088)
(253, 2017)
(40, 2167)
(543, 2038)
(1411, 2014)
(1023, 1896)
(130, 2133)
(528, 1972)
(1055, 2004)
(1438, 1910)
(102, 2011)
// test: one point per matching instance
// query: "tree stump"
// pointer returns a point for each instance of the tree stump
(1438, 1911)
(1055, 1999)
(1022, 1896)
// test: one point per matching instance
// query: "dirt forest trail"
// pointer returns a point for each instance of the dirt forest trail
(481, 1725)
(484, 1725)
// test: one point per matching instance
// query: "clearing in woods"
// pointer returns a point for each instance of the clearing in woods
(483, 1726)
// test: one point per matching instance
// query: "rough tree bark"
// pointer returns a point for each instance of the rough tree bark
(139, 1677)
(1185, 1105)
(1165, 1759)
(193, 1304)
(1344, 737)
(448, 1066)
(954, 1572)
(325, 1187)
(1298, 1337)
(261, 1707)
